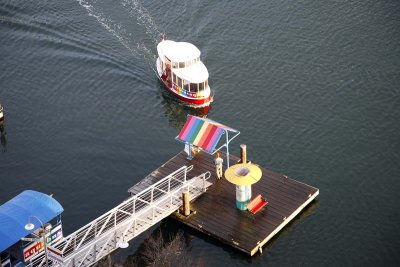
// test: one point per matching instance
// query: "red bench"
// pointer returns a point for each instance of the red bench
(256, 204)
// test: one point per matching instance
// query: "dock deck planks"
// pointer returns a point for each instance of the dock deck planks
(217, 215)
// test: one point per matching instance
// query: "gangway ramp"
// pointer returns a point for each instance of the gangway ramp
(103, 235)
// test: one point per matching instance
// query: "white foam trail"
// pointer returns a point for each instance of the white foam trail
(135, 10)
(143, 17)
(106, 23)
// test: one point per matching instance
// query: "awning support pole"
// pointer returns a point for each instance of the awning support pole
(227, 149)
(190, 157)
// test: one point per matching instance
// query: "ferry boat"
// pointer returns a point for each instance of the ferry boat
(30, 223)
(180, 69)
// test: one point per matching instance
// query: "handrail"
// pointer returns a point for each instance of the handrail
(130, 218)
(132, 198)
(142, 211)
(179, 176)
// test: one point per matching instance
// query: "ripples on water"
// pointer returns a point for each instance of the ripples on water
(313, 87)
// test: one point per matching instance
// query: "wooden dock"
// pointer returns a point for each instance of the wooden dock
(216, 214)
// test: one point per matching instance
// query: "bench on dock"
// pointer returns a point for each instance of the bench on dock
(256, 204)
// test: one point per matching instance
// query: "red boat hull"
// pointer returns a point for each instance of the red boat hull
(198, 101)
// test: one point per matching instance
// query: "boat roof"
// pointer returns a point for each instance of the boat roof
(196, 73)
(177, 51)
(22, 209)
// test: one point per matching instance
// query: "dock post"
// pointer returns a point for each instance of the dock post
(227, 149)
(186, 203)
(243, 153)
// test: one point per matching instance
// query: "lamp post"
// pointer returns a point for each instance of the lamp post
(123, 244)
(30, 226)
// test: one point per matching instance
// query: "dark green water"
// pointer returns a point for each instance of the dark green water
(313, 86)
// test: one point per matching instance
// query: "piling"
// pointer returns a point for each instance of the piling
(243, 153)
(186, 203)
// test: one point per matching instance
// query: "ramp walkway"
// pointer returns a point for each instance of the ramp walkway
(135, 215)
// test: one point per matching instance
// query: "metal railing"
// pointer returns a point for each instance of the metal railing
(103, 235)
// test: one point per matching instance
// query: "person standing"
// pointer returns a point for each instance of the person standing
(218, 165)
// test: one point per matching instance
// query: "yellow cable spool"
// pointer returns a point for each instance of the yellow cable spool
(243, 174)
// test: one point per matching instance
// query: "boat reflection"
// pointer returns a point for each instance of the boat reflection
(177, 111)
(3, 139)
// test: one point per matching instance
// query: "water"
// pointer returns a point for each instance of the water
(312, 85)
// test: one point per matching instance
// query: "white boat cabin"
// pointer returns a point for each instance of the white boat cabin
(180, 63)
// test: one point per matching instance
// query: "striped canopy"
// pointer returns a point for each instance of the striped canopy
(203, 133)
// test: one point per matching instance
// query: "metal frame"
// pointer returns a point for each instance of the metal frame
(226, 144)
(36, 238)
(103, 235)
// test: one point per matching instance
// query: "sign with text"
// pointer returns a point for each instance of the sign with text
(55, 255)
(55, 235)
(32, 250)
(35, 248)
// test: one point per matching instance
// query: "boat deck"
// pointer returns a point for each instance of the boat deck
(216, 214)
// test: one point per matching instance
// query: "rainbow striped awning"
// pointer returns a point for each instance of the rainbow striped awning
(203, 133)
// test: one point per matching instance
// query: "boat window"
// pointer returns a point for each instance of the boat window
(201, 86)
(193, 87)
(181, 64)
(179, 82)
(206, 84)
(186, 86)
(174, 77)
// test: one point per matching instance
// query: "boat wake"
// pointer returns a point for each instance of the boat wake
(143, 17)
(136, 45)
(134, 10)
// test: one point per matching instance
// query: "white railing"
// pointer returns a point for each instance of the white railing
(103, 235)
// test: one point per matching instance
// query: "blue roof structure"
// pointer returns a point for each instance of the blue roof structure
(29, 206)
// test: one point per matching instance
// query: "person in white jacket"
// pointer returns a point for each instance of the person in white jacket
(218, 165)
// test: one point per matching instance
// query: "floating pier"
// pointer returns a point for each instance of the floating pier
(216, 214)
(40, 244)
(190, 176)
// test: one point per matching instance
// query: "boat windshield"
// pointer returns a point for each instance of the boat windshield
(195, 87)
(190, 87)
